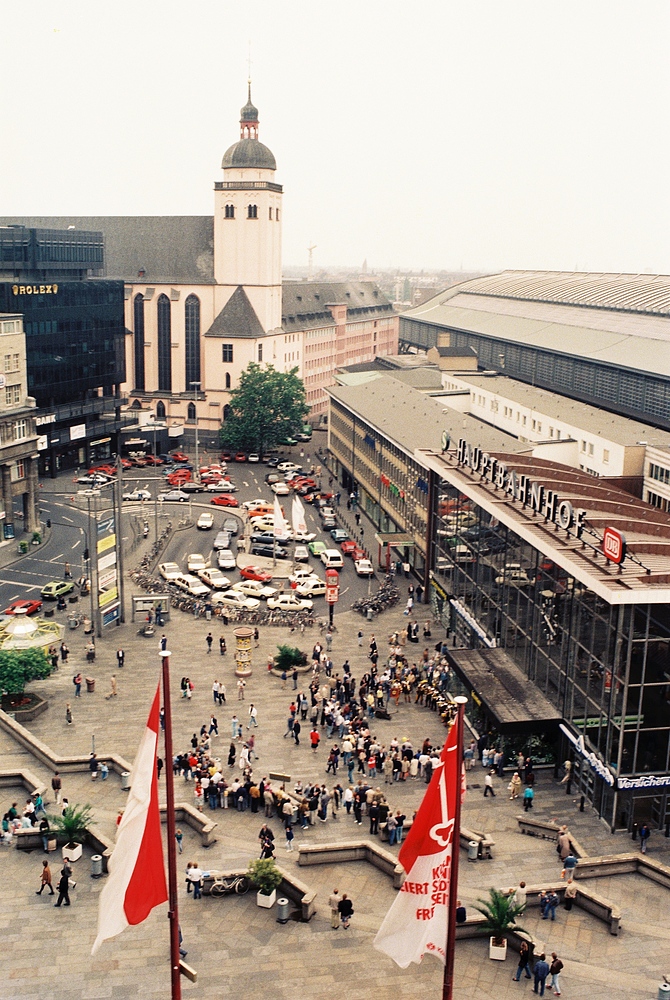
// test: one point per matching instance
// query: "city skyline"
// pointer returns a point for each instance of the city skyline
(484, 138)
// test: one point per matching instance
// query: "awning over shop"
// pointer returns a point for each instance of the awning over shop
(398, 539)
(510, 698)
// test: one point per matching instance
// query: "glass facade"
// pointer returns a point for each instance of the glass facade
(605, 667)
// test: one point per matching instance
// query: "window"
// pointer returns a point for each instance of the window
(551, 432)
(138, 322)
(164, 344)
(192, 334)
(12, 395)
(191, 415)
(227, 380)
(252, 211)
(17, 471)
(270, 211)
(583, 446)
(277, 214)
(229, 212)
(20, 432)
(11, 363)
(260, 352)
(590, 449)
(160, 410)
(606, 455)
(227, 353)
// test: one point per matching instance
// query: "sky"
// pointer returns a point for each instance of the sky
(425, 135)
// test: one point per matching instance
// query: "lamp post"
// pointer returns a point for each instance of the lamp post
(196, 386)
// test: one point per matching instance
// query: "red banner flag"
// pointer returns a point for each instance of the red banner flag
(417, 920)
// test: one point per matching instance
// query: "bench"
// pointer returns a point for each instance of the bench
(547, 831)
(356, 850)
(187, 814)
(484, 842)
(586, 899)
(27, 840)
(290, 886)
(26, 779)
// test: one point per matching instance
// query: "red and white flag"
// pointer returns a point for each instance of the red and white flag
(280, 529)
(417, 921)
(137, 871)
(298, 516)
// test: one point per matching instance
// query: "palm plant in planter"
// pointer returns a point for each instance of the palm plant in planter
(72, 825)
(265, 875)
(500, 912)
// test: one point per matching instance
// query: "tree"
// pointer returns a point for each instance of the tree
(501, 912)
(289, 657)
(267, 407)
(19, 667)
(73, 823)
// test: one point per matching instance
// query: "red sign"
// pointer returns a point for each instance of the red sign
(332, 586)
(614, 545)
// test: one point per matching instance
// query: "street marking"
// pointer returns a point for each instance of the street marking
(15, 583)
(56, 558)
(65, 518)
(76, 544)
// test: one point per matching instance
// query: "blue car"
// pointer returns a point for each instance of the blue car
(339, 535)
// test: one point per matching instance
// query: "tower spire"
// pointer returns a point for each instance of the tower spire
(249, 117)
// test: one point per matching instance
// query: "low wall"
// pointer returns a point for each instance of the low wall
(297, 891)
(188, 815)
(358, 850)
(622, 864)
(25, 778)
(32, 712)
(547, 831)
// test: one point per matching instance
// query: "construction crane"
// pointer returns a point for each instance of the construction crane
(310, 251)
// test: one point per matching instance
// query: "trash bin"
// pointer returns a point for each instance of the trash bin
(96, 866)
(283, 911)
(664, 991)
(472, 850)
(90, 684)
(370, 614)
(125, 781)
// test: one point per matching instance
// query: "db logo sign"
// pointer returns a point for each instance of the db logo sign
(614, 545)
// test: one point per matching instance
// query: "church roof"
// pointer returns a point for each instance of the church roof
(237, 318)
(304, 303)
(249, 153)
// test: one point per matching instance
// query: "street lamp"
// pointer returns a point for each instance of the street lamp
(196, 386)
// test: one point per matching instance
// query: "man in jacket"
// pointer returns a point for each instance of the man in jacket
(541, 973)
(333, 903)
(555, 969)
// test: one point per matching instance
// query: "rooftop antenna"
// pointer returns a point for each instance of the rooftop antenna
(310, 273)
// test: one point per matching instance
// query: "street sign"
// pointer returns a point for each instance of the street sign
(614, 545)
(332, 586)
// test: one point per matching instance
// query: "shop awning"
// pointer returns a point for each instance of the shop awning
(399, 539)
(509, 697)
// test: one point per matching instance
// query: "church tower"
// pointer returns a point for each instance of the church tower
(247, 222)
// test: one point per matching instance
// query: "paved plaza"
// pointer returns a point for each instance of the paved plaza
(239, 949)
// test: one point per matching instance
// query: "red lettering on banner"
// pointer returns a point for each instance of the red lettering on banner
(425, 914)
(419, 888)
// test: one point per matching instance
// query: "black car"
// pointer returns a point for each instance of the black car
(265, 539)
(191, 487)
(262, 550)
(231, 525)
(273, 462)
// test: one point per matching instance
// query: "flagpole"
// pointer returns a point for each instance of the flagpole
(448, 980)
(173, 911)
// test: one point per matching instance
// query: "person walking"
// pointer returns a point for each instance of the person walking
(346, 910)
(76, 680)
(569, 866)
(68, 713)
(179, 837)
(45, 878)
(64, 885)
(296, 732)
(645, 834)
(528, 796)
(195, 878)
(488, 784)
(222, 645)
(541, 972)
(56, 786)
(524, 960)
(112, 688)
(241, 684)
(253, 716)
(333, 903)
(209, 639)
(68, 573)
(555, 971)
(120, 658)
(290, 837)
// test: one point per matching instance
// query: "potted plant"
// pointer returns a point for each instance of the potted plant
(289, 657)
(265, 875)
(500, 912)
(72, 825)
(37, 538)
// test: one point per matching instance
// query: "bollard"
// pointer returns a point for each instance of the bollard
(96, 866)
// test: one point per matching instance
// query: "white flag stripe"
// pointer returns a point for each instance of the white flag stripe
(280, 529)
(298, 515)
(111, 917)
(408, 931)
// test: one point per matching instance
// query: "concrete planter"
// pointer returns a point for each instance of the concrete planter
(72, 851)
(497, 952)
(266, 901)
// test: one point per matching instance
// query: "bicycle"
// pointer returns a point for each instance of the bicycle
(223, 885)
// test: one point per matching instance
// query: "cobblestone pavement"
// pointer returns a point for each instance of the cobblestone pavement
(232, 943)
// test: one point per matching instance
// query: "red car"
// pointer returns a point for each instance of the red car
(140, 462)
(176, 479)
(179, 456)
(126, 463)
(225, 500)
(358, 553)
(107, 470)
(255, 573)
(240, 457)
(226, 456)
(348, 548)
(153, 460)
(30, 607)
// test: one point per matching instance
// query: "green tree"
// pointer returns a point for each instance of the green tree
(267, 407)
(19, 667)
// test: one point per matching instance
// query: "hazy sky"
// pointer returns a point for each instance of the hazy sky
(428, 134)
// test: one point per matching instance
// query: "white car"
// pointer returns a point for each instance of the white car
(195, 562)
(205, 521)
(253, 457)
(364, 567)
(214, 578)
(234, 599)
(289, 467)
(169, 570)
(332, 559)
(311, 587)
(280, 489)
(289, 602)
(301, 574)
(515, 575)
(250, 504)
(262, 525)
(173, 496)
(137, 495)
(192, 585)
(303, 536)
(254, 588)
(301, 553)
(225, 559)
(223, 486)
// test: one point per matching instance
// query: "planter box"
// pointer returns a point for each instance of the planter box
(498, 952)
(72, 851)
(266, 901)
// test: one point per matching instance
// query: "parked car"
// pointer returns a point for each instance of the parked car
(179, 456)
(154, 460)
(222, 540)
(290, 602)
(280, 489)
(195, 562)
(233, 599)
(225, 559)
(289, 467)
(28, 607)
(332, 559)
(254, 457)
(214, 578)
(317, 547)
(225, 500)
(515, 575)
(188, 486)
(259, 549)
(265, 538)
(311, 587)
(255, 573)
(137, 495)
(205, 522)
(221, 486)
(240, 457)
(191, 585)
(254, 588)
(301, 553)
(301, 574)
(364, 567)
(57, 588)
(173, 496)
(231, 525)
(169, 570)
